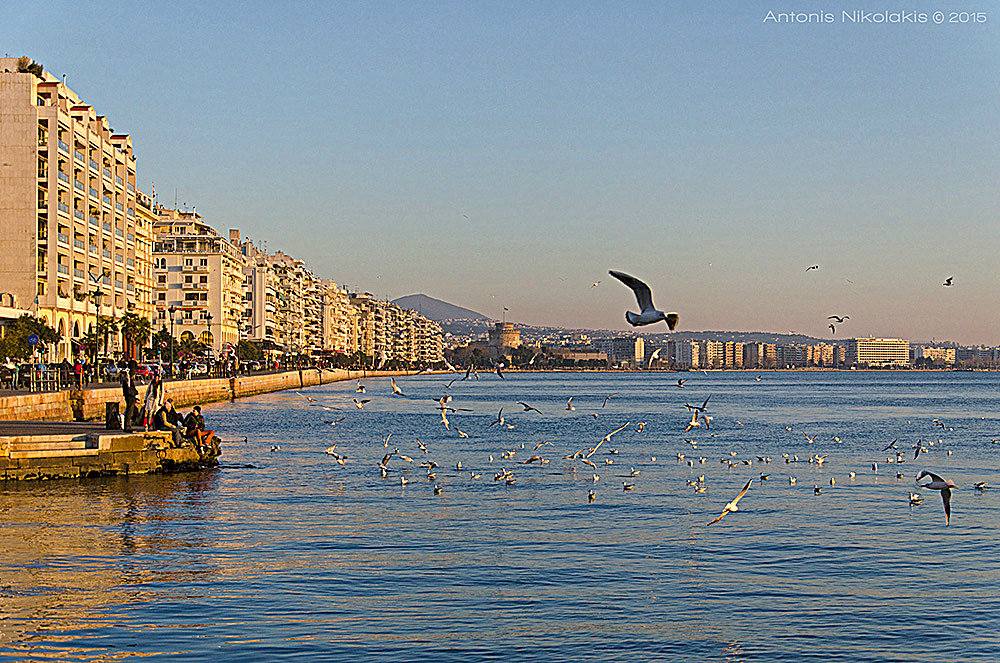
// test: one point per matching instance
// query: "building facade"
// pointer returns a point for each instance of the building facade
(878, 352)
(68, 220)
(199, 280)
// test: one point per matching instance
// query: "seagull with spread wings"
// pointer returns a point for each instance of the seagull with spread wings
(944, 485)
(732, 506)
(648, 314)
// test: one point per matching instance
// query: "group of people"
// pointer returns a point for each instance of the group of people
(159, 413)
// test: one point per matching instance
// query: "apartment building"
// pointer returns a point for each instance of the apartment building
(199, 280)
(630, 350)
(878, 352)
(72, 244)
(940, 356)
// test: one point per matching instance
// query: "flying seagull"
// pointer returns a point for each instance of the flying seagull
(644, 296)
(680, 383)
(528, 408)
(732, 506)
(499, 419)
(395, 390)
(569, 404)
(833, 329)
(608, 398)
(812, 267)
(948, 280)
(838, 318)
(945, 486)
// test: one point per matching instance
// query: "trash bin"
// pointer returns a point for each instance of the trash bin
(112, 419)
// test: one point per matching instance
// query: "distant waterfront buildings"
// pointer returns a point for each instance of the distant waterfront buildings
(932, 355)
(878, 352)
(625, 350)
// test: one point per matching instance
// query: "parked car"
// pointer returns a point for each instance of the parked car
(111, 371)
(145, 372)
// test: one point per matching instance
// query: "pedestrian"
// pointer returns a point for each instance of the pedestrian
(78, 370)
(152, 402)
(131, 395)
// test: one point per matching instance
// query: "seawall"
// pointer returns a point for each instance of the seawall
(88, 404)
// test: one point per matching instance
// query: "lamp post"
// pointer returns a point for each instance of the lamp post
(98, 297)
(171, 311)
(211, 343)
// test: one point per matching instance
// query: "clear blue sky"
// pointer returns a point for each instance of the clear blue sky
(510, 153)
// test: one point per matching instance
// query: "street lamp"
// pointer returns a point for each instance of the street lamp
(208, 319)
(98, 296)
(171, 311)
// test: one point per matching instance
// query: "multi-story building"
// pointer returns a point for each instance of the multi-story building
(340, 320)
(386, 331)
(629, 350)
(576, 353)
(822, 354)
(792, 355)
(759, 355)
(878, 352)
(941, 356)
(68, 220)
(199, 280)
(682, 354)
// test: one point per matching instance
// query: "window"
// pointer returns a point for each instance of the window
(203, 279)
(187, 279)
(204, 262)
(188, 262)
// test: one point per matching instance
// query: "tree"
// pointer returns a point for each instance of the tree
(106, 325)
(26, 65)
(247, 351)
(135, 329)
(163, 342)
(14, 343)
(191, 347)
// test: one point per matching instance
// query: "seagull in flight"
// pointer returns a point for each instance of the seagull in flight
(699, 408)
(528, 408)
(361, 404)
(838, 318)
(945, 486)
(395, 389)
(732, 506)
(680, 383)
(569, 404)
(812, 267)
(833, 330)
(499, 419)
(948, 281)
(608, 398)
(596, 283)
(644, 296)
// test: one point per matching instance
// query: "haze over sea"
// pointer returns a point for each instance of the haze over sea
(287, 555)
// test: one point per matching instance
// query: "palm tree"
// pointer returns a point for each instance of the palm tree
(106, 325)
(136, 330)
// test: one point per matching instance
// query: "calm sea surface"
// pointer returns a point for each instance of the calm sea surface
(288, 555)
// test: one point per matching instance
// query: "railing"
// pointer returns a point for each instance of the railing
(63, 269)
(130, 212)
(129, 237)
(78, 243)
(107, 172)
(63, 239)
(106, 226)
(95, 194)
(79, 214)
(118, 258)
(119, 206)
(119, 284)
(94, 249)
(63, 177)
(79, 185)
(106, 199)
(119, 181)
(80, 156)
(64, 147)
(96, 166)
(130, 187)
(43, 141)
(130, 287)
(78, 273)
(118, 231)
(95, 220)
(106, 253)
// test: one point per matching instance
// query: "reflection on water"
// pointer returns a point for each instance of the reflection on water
(297, 556)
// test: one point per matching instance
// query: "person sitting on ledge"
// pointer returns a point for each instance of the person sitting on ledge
(195, 425)
(167, 419)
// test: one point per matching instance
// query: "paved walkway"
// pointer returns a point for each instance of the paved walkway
(16, 428)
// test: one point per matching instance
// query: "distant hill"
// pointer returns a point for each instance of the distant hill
(437, 310)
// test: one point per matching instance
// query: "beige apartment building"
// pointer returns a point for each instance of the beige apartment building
(340, 320)
(70, 232)
(199, 280)
(386, 331)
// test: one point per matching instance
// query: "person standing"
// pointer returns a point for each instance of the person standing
(131, 395)
(152, 402)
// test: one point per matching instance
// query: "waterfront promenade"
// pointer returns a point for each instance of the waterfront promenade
(89, 404)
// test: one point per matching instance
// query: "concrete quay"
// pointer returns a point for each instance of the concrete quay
(88, 404)
(71, 450)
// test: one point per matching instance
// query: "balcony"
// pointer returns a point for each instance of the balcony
(79, 185)
(78, 273)
(96, 167)
(63, 269)
(79, 214)
(64, 147)
(63, 177)
(63, 239)
(94, 193)
(80, 156)
(106, 226)
(94, 250)
(119, 181)
(106, 200)
(119, 258)
(78, 243)
(119, 207)
(95, 221)
(106, 253)
(130, 188)
(107, 172)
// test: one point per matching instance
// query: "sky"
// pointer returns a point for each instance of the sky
(509, 154)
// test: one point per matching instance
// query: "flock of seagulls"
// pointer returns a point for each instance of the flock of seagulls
(600, 454)
(586, 455)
